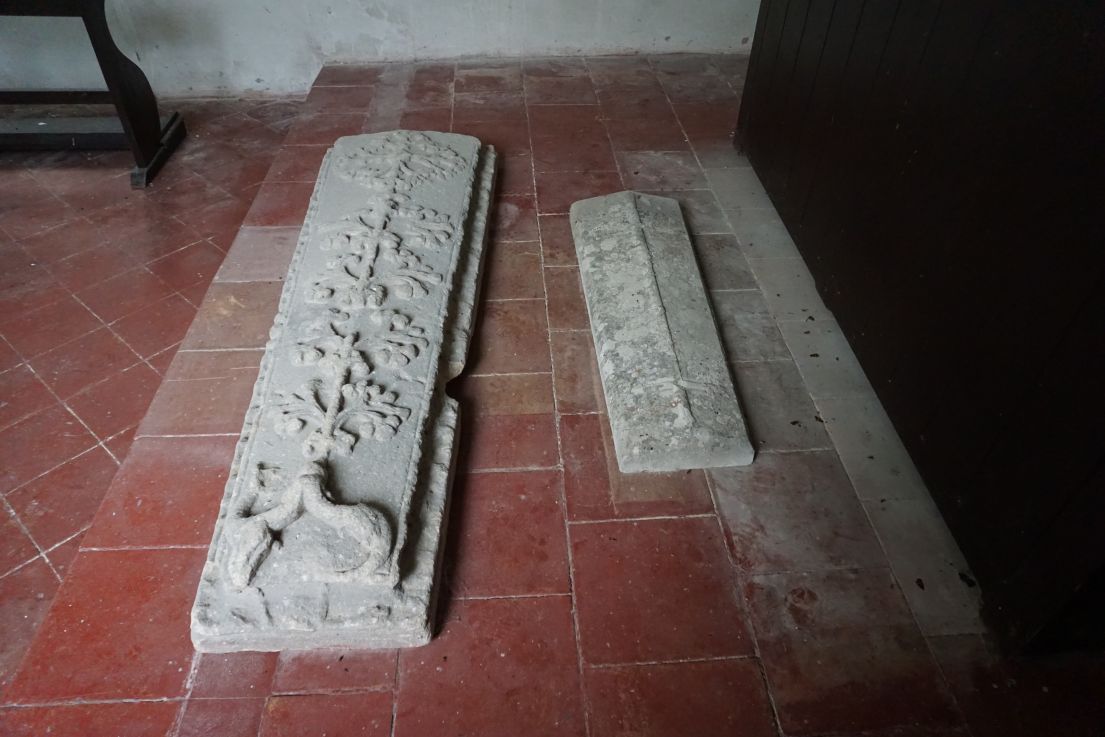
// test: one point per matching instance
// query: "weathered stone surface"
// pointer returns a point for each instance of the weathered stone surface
(331, 527)
(669, 395)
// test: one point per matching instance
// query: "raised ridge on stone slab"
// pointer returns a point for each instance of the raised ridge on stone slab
(331, 527)
(669, 393)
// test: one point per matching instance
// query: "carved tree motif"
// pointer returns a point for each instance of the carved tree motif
(399, 162)
(336, 421)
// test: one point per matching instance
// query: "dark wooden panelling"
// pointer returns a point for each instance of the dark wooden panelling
(941, 166)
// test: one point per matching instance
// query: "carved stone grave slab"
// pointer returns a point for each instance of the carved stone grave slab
(331, 527)
(669, 394)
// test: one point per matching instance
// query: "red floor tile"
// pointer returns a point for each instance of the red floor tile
(557, 246)
(575, 372)
(559, 90)
(511, 337)
(234, 675)
(118, 629)
(142, 719)
(79, 363)
(221, 718)
(166, 493)
(626, 576)
(121, 401)
(24, 393)
(280, 203)
(507, 535)
(502, 78)
(259, 254)
(516, 174)
(509, 137)
(842, 653)
(661, 170)
(567, 308)
(596, 489)
(558, 190)
(721, 697)
(574, 148)
(514, 218)
(513, 271)
(661, 133)
(157, 327)
(191, 264)
(36, 444)
(16, 547)
(794, 512)
(334, 670)
(8, 357)
(504, 394)
(203, 393)
(25, 595)
(470, 107)
(339, 99)
(626, 102)
(498, 667)
(348, 74)
(92, 267)
(508, 442)
(322, 129)
(235, 315)
(334, 715)
(62, 556)
(37, 331)
(296, 164)
(61, 503)
(124, 294)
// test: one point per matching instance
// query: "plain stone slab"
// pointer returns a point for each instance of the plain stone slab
(669, 394)
(332, 524)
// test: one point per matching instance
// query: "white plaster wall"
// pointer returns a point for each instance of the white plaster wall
(213, 46)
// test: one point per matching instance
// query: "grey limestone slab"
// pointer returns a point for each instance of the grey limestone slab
(332, 523)
(669, 394)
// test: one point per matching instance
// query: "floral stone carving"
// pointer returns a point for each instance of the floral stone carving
(331, 526)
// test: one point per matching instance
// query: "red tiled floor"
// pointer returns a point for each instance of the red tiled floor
(25, 595)
(235, 315)
(167, 493)
(38, 443)
(335, 715)
(61, 503)
(842, 653)
(24, 393)
(513, 271)
(120, 719)
(794, 512)
(204, 393)
(118, 629)
(575, 372)
(507, 535)
(79, 363)
(222, 717)
(656, 590)
(498, 666)
(259, 254)
(234, 675)
(596, 489)
(334, 670)
(719, 697)
(506, 659)
(511, 337)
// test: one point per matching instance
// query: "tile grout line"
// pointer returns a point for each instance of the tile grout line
(584, 702)
(745, 606)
